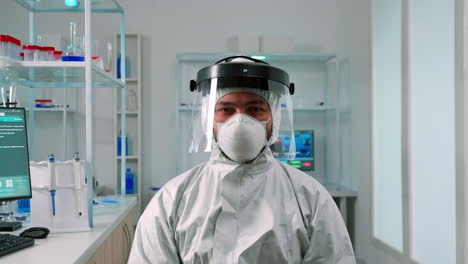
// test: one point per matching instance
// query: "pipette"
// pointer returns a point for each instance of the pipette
(77, 172)
(52, 187)
(2, 91)
(11, 95)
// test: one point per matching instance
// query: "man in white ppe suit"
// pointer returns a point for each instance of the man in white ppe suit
(242, 206)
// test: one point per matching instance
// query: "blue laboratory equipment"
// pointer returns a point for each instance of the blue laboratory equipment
(73, 51)
(129, 182)
(127, 66)
(52, 186)
(72, 3)
(24, 206)
(119, 145)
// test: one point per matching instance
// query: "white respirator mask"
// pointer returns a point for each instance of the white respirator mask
(242, 137)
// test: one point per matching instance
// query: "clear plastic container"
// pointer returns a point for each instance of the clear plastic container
(57, 55)
(14, 48)
(47, 53)
(132, 100)
(43, 103)
(42, 54)
(17, 49)
(31, 52)
(10, 47)
(99, 62)
(2, 45)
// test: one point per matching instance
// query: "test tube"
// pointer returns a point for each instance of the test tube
(110, 58)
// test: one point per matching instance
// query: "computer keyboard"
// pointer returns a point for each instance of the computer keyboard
(11, 243)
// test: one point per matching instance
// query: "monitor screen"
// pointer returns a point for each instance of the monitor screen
(15, 180)
(305, 158)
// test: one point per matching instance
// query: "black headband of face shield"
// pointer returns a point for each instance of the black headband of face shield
(229, 59)
(252, 74)
(230, 82)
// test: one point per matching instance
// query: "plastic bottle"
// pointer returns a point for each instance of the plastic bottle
(132, 100)
(119, 145)
(127, 66)
(129, 182)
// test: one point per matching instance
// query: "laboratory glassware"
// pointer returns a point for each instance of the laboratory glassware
(73, 52)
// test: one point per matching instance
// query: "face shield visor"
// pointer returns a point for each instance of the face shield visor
(250, 77)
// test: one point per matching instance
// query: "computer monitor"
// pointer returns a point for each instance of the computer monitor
(15, 179)
(305, 157)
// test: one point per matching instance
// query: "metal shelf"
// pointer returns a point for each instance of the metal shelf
(101, 6)
(74, 74)
(62, 74)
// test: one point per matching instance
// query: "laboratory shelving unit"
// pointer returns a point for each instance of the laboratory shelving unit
(321, 103)
(73, 74)
(133, 113)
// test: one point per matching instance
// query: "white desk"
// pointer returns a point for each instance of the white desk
(75, 247)
(343, 196)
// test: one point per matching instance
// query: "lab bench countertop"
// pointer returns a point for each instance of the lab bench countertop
(76, 247)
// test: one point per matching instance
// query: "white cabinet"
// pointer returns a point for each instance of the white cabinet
(133, 114)
(321, 103)
(116, 248)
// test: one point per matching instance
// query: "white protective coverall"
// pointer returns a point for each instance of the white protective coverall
(227, 212)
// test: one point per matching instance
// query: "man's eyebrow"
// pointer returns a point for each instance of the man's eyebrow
(256, 102)
(226, 103)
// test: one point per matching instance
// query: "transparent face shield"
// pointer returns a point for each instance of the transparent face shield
(206, 107)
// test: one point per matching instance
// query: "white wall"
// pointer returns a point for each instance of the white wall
(354, 42)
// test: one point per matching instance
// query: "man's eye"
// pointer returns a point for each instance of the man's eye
(256, 109)
(224, 110)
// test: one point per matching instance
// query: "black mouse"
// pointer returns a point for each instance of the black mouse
(35, 232)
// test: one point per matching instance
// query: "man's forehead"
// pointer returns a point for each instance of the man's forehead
(242, 98)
